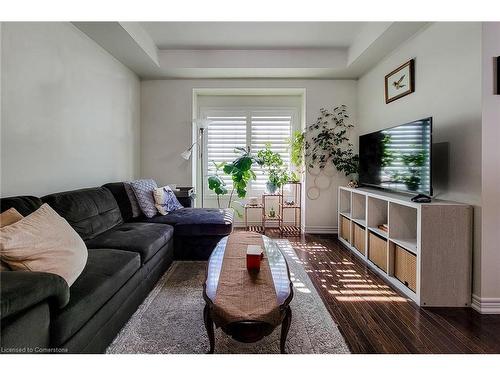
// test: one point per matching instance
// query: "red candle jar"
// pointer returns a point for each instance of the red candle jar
(254, 256)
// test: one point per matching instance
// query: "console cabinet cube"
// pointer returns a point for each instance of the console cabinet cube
(358, 237)
(422, 249)
(405, 267)
(345, 229)
(377, 251)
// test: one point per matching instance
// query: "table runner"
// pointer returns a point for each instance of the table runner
(242, 295)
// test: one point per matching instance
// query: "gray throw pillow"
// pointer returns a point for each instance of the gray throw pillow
(143, 190)
(136, 210)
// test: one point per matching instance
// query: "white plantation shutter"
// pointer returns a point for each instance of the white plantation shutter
(231, 127)
(271, 128)
(224, 134)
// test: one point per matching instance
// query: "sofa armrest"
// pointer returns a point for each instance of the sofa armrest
(20, 290)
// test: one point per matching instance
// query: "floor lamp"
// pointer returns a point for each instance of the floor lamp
(201, 125)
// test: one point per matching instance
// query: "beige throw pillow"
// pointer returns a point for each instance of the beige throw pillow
(159, 195)
(43, 241)
(8, 217)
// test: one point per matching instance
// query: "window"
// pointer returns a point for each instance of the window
(251, 127)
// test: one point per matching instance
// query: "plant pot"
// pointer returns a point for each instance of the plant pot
(271, 188)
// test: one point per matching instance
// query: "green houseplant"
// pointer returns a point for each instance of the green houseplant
(273, 164)
(326, 141)
(240, 171)
(216, 183)
(296, 143)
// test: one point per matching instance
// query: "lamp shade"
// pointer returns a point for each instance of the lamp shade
(201, 123)
(186, 154)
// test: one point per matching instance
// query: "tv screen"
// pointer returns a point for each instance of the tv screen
(398, 158)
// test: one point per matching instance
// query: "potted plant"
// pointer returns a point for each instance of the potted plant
(240, 171)
(273, 164)
(216, 183)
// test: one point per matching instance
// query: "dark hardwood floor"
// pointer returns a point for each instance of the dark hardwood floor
(374, 318)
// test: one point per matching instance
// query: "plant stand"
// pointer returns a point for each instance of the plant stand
(296, 195)
(254, 228)
(279, 214)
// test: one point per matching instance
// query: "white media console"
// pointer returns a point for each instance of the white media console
(424, 250)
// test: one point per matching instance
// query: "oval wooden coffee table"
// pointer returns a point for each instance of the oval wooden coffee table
(247, 305)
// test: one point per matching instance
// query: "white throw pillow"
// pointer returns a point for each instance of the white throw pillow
(165, 200)
(44, 242)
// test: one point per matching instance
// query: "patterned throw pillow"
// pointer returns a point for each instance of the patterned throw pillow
(136, 210)
(166, 201)
(143, 190)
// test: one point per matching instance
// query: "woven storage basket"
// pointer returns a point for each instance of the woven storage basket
(345, 225)
(377, 251)
(358, 240)
(405, 267)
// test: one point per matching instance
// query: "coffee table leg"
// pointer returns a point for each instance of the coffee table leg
(285, 326)
(209, 325)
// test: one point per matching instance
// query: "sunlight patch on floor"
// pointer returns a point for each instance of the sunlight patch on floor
(298, 285)
(337, 278)
(371, 298)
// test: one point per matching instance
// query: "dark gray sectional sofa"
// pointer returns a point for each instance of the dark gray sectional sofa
(126, 257)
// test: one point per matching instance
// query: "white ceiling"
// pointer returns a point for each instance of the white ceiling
(326, 50)
(252, 35)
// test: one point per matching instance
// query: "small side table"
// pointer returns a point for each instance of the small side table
(254, 228)
(185, 195)
(296, 194)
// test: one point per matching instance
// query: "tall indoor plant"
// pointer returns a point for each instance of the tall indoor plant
(240, 171)
(273, 164)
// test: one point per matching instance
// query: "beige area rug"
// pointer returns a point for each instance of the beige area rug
(170, 320)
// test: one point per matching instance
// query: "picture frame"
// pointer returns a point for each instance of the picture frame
(496, 75)
(400, 82)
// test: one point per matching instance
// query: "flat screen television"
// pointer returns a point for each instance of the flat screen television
(398, 158)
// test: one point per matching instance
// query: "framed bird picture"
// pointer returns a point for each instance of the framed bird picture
(400, 82)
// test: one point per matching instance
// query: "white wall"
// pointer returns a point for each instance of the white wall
(448, 88)
(166, 113)
(70, 111)
(490, 255)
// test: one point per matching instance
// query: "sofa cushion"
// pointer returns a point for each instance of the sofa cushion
(107, 270)
(122, 198)
(143, 238)
(23, 204)
(89, 211)
(197, 221)
(136, 210)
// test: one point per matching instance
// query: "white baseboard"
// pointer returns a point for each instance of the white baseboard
(486, 305)
(321, 229)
